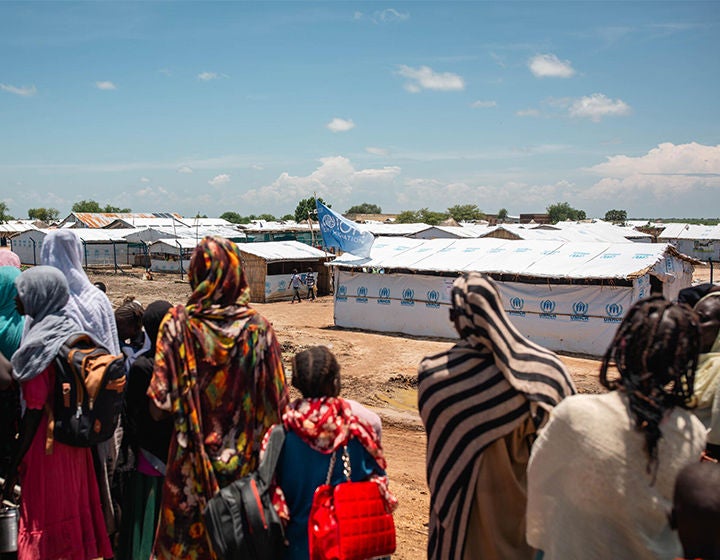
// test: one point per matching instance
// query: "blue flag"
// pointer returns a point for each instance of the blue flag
(342, 233)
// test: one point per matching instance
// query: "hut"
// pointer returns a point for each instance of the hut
(268, 268)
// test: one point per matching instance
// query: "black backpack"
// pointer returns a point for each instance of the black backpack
(241, 520)
(89, 392)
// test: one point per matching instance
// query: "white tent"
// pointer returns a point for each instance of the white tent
(566, 296)
(698, 241)
(100, 247)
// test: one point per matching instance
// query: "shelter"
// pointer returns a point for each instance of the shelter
(103, 248)
(268, 268)
(566, 296)
(698, 241)
(95, 220)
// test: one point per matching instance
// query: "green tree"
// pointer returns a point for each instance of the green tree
(287, 217)
(465, 213)
(364, 208)
(233, 217)
(86, 206)
(44, 214)
(267, 217)
(94, 207)
(616, 216)
(407, 217)
(561, 211)
(502, 214)
(431, 218)
(4, 213)
(306, 207)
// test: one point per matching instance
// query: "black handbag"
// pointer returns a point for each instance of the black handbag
(241, 520)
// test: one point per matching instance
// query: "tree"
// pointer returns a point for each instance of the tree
(364, 208)
(93, 207)
(431, 218)
(287, 217)
(4, 213)
(306, 208)
(616, 216)
(561, 211)
(267, 217)
(502, 214)
(407, 217)
(233, 217)
(44, 214)
(465, 212)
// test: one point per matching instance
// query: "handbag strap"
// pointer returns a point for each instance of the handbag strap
(266, 469)
(347, 469)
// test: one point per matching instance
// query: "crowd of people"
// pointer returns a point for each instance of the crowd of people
(519, 466)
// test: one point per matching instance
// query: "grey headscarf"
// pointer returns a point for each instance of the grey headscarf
(44, 293)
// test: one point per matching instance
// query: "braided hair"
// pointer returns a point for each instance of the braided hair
(655, 350)
(316, 373)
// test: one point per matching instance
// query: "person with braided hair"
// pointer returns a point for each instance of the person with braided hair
(602, 472)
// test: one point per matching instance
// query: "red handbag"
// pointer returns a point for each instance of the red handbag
(349, 521)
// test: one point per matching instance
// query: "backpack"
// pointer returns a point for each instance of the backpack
(241, 520)
(89, 392)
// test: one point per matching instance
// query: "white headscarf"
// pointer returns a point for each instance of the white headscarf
(88, 305)
(44, 293)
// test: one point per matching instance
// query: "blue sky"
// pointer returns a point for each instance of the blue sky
(208, 107)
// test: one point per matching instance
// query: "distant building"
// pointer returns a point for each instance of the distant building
(536, 218)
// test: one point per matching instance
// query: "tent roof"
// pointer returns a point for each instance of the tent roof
(283, 251)
(541, 259)
(393, 229)
(690, 231)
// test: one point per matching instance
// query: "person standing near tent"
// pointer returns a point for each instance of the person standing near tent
(482, 402)
(295, 283)
(310, 283)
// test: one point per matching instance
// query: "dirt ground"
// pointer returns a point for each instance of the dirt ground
(379, 370)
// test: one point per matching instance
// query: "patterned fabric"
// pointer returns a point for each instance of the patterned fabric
(478, 391)
(218, 370)
(326, 424)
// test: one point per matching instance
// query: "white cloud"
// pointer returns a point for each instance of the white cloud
(207, 76)
(24, 91)
(185, 169)
(153, 192)
(336, 180)
(218, 180)
(550, 66)
(106, 86)
(527, 113)
(376, 151)
(144, 180)
(257, 167)
(597, 106)
(390, 15)
(340, 125)
(165, 71)
(358, 15)
(426, 78)
(664, 173)
(483, 104)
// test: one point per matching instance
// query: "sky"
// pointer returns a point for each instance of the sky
(202, 107)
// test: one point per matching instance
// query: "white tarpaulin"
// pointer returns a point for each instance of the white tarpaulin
(585, 291)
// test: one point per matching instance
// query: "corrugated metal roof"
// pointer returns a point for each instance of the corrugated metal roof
(103, 219)
(283, 251)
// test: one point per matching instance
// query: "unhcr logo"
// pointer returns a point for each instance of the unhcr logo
(579, 311)
(282, 285)
(613, 313)
(433, 299)
(342, 293)
(361, 295)
(408, 297)
(516, 306)
(384, 296)
(547, 309)
(268, 287)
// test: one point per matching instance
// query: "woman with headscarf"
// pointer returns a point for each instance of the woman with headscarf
(60, 513)
(7, 256)
(149, 440)
(317, 426)
(11, 327)
(602, 472)
(62, 249)
(218, 371)
(482, 402)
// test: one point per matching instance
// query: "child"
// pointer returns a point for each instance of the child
(295, 283)
(310, 283)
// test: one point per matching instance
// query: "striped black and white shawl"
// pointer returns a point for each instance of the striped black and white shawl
(471, 395)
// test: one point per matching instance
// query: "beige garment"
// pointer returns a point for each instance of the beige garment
(589, 493)
(496, 528)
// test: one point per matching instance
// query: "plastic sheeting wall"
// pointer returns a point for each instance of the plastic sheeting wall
(572, 318)
(277, 287)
